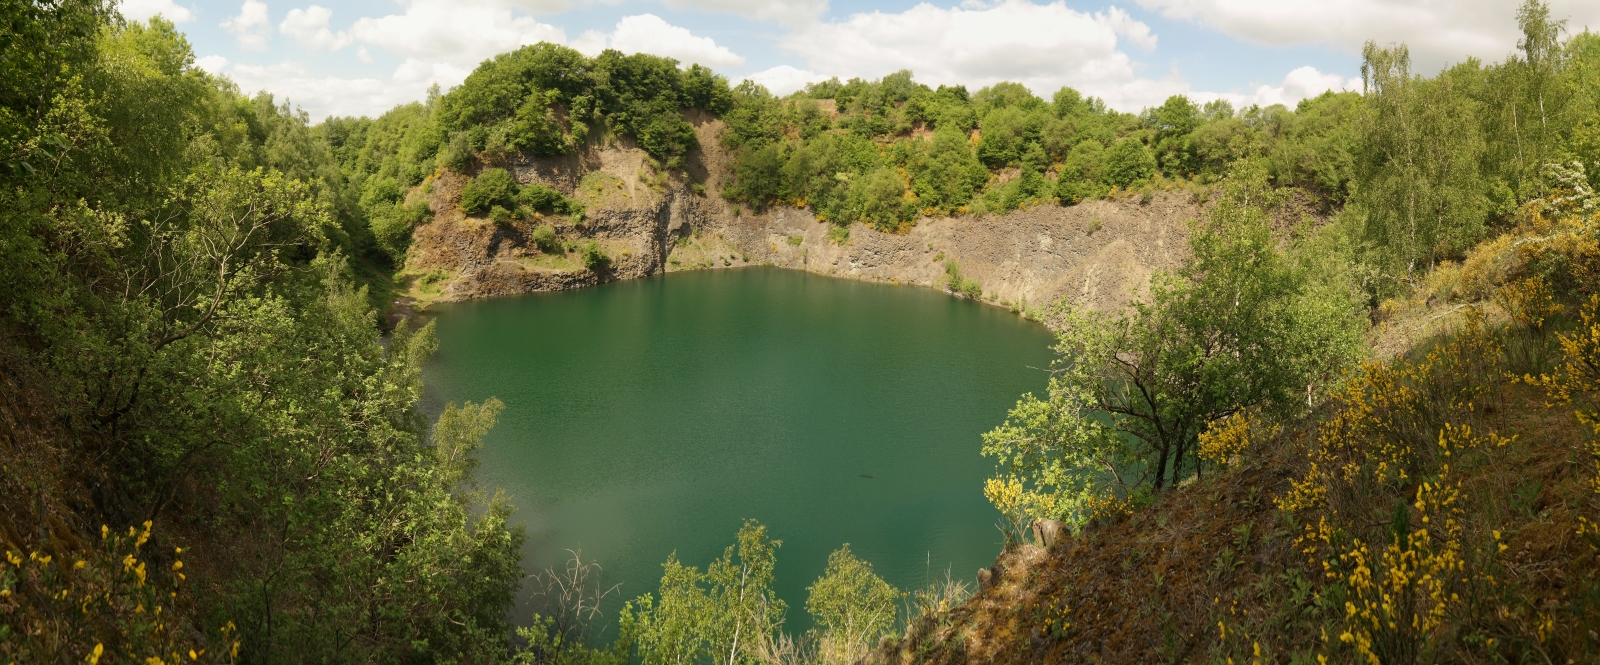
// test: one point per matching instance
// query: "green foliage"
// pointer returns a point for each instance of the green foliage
(1175, 122)
(788, 152)
(540, 197)
(179, 274)
(638, 94)
(959, 284)
(1418, 186)
(499, 215)
(490, 188)
(851, 605)
(721, 615)
(946, 173)
(838, 235)
(594, 256)
(1079, 177)
(1127, 163)
(1029, 185)
(392, 225)
(545, 644)
(878, 199)
(1240, 326)
(544, 237)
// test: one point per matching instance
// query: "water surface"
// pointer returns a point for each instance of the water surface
(655, 415)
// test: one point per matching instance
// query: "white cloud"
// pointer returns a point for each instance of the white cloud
(322, 96)
(212, 64)
(784, 11)
(442, 41)
(647, 33)
(1136, 32)
(1438, 32)
(309, 27)
(1299, 84)
(142, 10)
(551, 6)
(591, 42)
(784, 79)
(1042, 46)
(251, 27)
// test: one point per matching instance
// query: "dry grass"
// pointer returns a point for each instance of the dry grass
(1440, 508)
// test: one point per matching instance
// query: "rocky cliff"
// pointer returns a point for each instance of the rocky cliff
(1096, 254)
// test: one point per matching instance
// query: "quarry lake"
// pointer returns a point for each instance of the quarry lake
(655, 415)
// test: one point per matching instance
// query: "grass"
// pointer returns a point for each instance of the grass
(596, 186)
(561, 262)
(839, 235)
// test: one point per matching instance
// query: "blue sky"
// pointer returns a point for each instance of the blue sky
(361, 57)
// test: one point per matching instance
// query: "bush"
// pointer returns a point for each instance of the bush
(879, 200)
(1071, 191)
(493, 186)
(853, 606)
(537, 196)
(392, 225)
(838, 235)
(535, 128)
(500, 215)
(457, 152)
(960, 285)
(594, 257)
(544, 237)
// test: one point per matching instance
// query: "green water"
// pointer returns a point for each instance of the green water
(655, 415)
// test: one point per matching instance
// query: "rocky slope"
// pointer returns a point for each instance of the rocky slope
(1096, 254)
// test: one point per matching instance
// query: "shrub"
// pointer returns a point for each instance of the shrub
(500, 215)
(852, 604)
(879, 200)
(493, 186)
(594, 257)
(537, 196)
(392, 225)
(544, 237)
(961, 285)
(457, 152)
(839, 235)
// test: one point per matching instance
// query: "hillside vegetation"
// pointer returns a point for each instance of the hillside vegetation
(1369, 436)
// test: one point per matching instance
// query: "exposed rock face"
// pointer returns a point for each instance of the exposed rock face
(1097, 254)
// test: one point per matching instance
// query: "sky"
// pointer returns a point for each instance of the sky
(363, 57)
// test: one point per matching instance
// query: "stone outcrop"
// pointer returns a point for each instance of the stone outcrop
(1096, 254)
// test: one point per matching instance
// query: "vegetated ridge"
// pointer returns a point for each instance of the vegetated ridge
(1326, 392)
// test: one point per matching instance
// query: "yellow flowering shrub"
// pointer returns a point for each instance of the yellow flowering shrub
(112, 601)
(1576, 380)
(1381, 496)
(1225, 442)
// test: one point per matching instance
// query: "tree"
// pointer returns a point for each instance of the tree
(1239, 326)
(945, 175)
(852, 605)
(1417, 182)
(1174, 121)
(720, 616)
(1126, 163)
